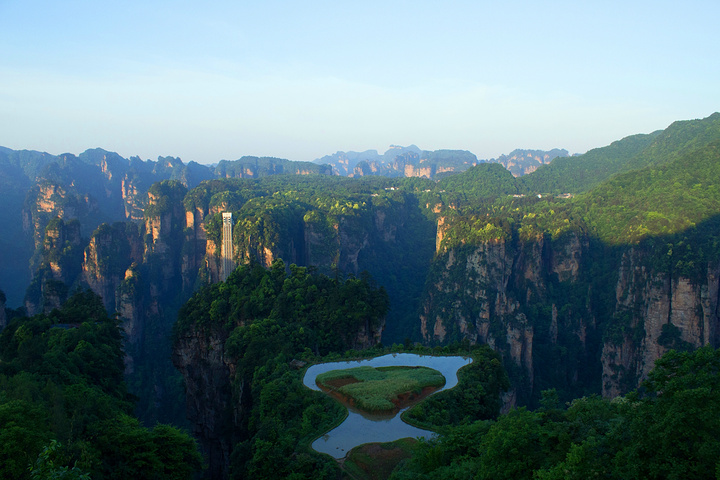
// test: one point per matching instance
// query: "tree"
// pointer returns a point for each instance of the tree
(45, 468)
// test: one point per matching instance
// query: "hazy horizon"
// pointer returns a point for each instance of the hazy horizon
(223, 80)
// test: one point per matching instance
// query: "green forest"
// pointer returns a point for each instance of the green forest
(667, 429)
(268, 318)
(585, 292)
(64, 407)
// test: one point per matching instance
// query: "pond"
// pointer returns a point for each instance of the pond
(361, 427)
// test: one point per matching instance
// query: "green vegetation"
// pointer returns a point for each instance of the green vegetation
(487, 180)
(475, 397)
(255, 167)
(655, 201)
(582, 173)
(376, 461)
(270, 317)
(318, 220)
(651, 198)
(380, 389)
(668, 429)
(64, 406)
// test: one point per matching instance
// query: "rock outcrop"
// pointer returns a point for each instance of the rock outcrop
(540, 304)
(59, 260)
(523, 162)
(212, 410)
(111, 251)
(655, 312)
(400, 162)
(482, 293)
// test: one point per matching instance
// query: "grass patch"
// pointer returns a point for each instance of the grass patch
(380, 389)
(376, 461)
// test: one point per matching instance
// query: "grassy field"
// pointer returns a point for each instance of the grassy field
(380, 389)
(376, 461)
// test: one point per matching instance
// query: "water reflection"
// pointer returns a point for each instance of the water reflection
(361, 427)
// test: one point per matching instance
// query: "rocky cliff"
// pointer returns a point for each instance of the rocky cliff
(111, 251)
(568, 313)
(654, 312)
(523, 162)
(498, 292)
(59, 258)
(214, 413)
(48, 201)
(400, 162)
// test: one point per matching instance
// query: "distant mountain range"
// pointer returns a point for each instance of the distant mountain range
(101, 186)
(410, 161)
(580, 274)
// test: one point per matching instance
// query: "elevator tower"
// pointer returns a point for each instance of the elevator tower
(228, 265)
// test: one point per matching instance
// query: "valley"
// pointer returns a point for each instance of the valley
(365, 424)
(566, 285)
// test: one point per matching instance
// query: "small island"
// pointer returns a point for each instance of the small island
(382, 389)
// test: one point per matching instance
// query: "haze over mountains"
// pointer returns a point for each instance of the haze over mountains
(410, 161)
(100, 186)
(580, 273)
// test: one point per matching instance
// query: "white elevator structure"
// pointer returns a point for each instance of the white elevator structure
(226, 251)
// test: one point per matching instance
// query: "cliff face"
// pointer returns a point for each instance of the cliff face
(160, 273)
(514, 295)
(111, 251)
(133, 199)
(400, 162)
(214, 414)
(556, 323)
(59, 258)
(48, 201)
(654, 312)
(340, 242)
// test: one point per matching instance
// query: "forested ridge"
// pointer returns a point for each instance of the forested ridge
(667, 429)
(564, 285)
(64, 407)
(262, 319)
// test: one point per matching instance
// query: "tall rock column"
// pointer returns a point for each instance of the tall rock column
(60, 260)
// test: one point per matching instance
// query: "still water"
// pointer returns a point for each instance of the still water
(360, 427)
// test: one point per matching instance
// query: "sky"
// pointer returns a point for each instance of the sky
(213, 80)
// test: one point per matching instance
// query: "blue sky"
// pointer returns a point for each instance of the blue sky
(299, 80)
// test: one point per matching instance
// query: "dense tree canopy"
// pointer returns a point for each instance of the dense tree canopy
(272, 316)
(64, 406)
(669, 429)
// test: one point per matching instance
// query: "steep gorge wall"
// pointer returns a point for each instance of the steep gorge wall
(654, 312)
(497, 293)
(58, 257)
(107, 260)
(557, 321)
(137, 269)
(214, 414)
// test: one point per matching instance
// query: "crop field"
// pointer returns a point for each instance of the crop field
(380, 389)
